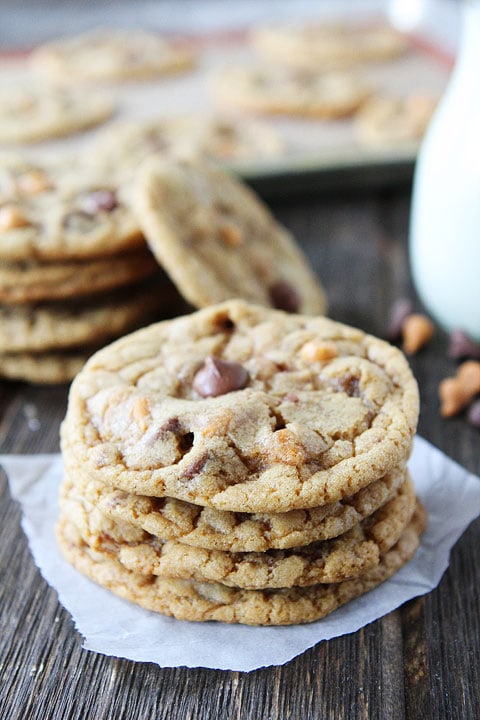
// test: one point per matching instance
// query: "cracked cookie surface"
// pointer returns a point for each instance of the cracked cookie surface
(243, 408)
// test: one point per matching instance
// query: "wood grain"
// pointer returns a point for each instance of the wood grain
(422, 661)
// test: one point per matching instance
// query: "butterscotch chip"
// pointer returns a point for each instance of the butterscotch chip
(112, 54)
(349, 421)
(192, 600)
(44, 368)
(329, 561)
(183, 209)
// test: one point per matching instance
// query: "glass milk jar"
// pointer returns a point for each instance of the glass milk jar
(445, 220)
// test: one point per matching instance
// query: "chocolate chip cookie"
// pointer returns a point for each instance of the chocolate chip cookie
(112, 55)
(274, 90)
(218, 241)
(32, 111)
(243, 408)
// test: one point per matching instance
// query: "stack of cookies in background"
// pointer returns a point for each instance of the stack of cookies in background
(75, 271)
(241, 464)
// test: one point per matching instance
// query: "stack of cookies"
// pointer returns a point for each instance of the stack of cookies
(75, 271)
(241, 464)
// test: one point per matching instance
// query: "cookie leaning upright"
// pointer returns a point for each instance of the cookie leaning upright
(218, 241)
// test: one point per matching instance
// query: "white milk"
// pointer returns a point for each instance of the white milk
(445, 220)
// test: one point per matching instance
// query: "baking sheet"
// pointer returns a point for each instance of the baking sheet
(314, 150)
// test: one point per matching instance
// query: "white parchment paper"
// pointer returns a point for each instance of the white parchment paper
(115, 627)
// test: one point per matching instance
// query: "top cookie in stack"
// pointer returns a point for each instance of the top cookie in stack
(241, 464)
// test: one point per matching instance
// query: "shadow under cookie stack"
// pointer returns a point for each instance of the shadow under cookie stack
(241, 464)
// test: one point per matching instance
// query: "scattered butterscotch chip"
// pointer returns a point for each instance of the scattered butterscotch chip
(417, 331)
(461, 345)
(457, 392)
(12, 217)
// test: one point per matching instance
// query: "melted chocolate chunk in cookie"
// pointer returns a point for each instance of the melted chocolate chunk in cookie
(218, 377)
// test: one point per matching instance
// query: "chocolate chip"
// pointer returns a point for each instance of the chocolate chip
(284, 297)
(473, 415)
(96, 201)
(218, 377)
(399, 311)
(462, 346)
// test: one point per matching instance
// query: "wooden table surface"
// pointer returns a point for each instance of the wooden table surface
(421, 661)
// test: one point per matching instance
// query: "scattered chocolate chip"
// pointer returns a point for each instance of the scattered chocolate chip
(218, 377)
(473, 415)
(284, 297)
(462, 346)
(95, 201)
(399, 311)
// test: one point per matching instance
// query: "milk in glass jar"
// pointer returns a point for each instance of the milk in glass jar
(445, 219)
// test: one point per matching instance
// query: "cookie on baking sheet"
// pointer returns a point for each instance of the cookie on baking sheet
(112, 54)
(277, 91)
(221, 138)
(217, 240)
(385, 121)
(39, 111)
(191, 600)
(329, 561)
(34, 281)
(38, 327)
(243, 408)
(319, 46)
(212, 529)
(47, 368)
(62, 209)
